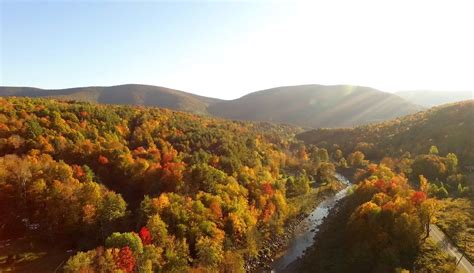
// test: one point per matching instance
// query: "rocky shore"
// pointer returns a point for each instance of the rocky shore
(272, 247)
(275, 246)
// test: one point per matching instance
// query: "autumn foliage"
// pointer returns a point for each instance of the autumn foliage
(145, 235)
(183, 190)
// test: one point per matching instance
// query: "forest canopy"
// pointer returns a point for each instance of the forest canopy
(448, 127)
(140, 189)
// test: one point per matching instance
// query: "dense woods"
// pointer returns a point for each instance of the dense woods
(455, 216)
(380, 227)
(250, 166)
(147, 189)
(423, 177)
(448, 127)
(136, 189)
(130, 94)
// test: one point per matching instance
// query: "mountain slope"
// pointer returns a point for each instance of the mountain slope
(449, 127)
(316, 106)
(184, 183)
(432, 98)
(133, 94)
(306, 105)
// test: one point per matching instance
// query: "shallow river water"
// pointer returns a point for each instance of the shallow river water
(303, 236)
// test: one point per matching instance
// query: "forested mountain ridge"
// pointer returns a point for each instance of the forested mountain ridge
(131, 94)
(449, 127)
(310, 106)
(316, 106)
(140, 189)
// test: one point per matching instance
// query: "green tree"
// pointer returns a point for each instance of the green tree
(298, 185)
(33, 129)
(434, 150)
(81, 262)
(451, 162)
(430, 166)
(343, 163)
(326, 172)
(209, 252)
(323, 155)
(206, 177)
(120, 240)
(158, 229)
(151, 258)
(357, 159)
(338, 155)
(113, 207)
(177, 256)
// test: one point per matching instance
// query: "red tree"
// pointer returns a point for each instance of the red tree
(103, 160)
(78, 171)
(145, 235)
(216, 209)
(418, 197)
(267, 189)
(381, 185)
(125, 260)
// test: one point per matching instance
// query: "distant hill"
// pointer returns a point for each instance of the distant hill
(316, 106)
(433, 98)
(310, 106)
(450, 127)
(132, 94)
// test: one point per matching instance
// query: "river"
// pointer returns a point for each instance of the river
(303, 236)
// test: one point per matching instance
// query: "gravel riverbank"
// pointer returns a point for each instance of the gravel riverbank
(275, 246)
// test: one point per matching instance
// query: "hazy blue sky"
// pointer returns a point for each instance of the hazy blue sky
(227, 49)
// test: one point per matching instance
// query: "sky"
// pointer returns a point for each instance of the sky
(226, 49)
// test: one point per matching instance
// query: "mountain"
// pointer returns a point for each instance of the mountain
(450, 127)
(307, 105)
(429, 98)
(133, 94)
(316, 106)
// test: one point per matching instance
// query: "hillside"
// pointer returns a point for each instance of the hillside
(424, 178)
(429, 98)
(160, 190)
(379, 227)
(316, 106)
(132, 94)
(153, 190)
(449, 127)
(308, 105)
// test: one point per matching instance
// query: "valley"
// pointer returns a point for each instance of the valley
(174, 191)
(236, 136)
